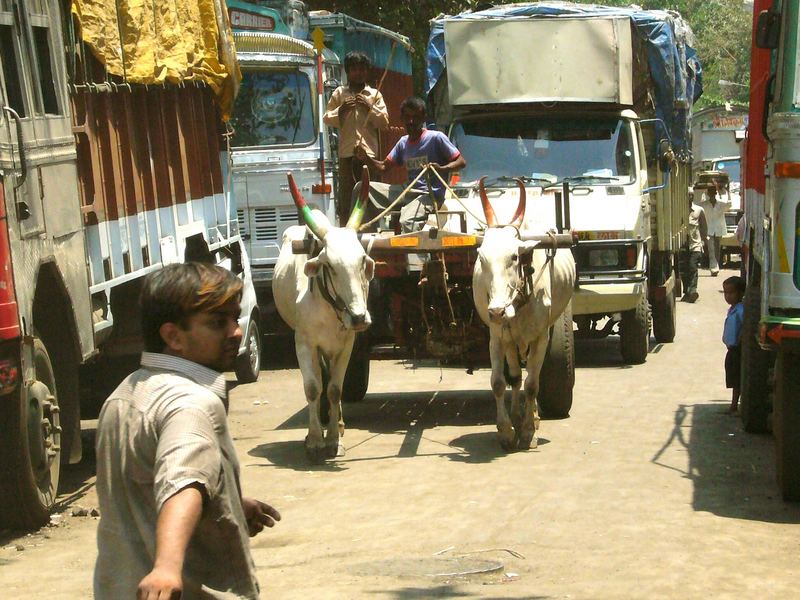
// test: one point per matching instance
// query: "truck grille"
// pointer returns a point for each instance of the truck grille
(271, 222)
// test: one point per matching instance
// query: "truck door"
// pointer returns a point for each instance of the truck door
(37, 149)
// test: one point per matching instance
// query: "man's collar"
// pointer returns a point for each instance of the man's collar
(208, 378)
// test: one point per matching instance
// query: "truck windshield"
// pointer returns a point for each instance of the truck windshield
(593, 150)
(732, 167)
(273, 108)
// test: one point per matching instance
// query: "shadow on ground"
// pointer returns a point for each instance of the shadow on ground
(444, 591)
(408, 413)
(733, 472)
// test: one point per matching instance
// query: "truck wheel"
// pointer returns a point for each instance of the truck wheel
(664, 319)
(356, 379)
(557, 377)
(754, 402)
(786, 423)
(248, 365)
(634, 333)
(30, 446)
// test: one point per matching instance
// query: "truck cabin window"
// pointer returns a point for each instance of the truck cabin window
(11, 75)
(273, 109)
(596, 151)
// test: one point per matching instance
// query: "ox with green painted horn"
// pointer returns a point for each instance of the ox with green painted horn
(323, 297)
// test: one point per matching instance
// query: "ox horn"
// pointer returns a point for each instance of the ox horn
(519, 214)
(304, 209)
(357, 214)
(488, 211)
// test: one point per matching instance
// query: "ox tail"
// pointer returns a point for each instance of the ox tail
(512, 380)
(324, 403)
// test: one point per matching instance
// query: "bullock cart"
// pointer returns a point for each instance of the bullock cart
(421, 297)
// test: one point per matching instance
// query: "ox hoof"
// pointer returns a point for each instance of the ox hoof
(316, 456)
(507, 441)
(334, 451)
(527, 441)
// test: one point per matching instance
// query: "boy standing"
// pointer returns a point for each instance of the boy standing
(417, 149)
(359, 112)
(733, 290)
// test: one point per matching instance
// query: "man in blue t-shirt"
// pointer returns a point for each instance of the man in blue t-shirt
(419, 148)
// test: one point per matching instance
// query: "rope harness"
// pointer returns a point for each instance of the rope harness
(327, 290)
(523, 291)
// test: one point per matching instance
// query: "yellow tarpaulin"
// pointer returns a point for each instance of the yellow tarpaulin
(164, 41)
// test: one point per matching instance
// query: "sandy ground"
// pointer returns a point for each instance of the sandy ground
(648, 490)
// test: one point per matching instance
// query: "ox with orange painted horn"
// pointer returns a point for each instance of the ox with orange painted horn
(488, 211)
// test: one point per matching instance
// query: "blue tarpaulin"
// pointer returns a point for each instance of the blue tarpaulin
(674, 67)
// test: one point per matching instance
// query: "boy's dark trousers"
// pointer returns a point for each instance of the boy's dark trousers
(690, 261)
(349, 174)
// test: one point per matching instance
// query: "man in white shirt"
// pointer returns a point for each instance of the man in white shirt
(715, 210)
(173, 521)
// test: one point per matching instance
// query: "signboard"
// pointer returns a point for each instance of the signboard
(245, 20)
(726, 122)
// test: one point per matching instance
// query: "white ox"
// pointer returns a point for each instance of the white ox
(519, 294)
(324, 299)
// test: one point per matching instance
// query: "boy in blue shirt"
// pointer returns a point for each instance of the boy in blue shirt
(733, 290)
(420, 147)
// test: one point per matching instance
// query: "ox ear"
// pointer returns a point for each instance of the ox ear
(312, 267)
(369, 268)
(526, 247)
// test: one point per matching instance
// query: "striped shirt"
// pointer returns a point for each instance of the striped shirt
(164, 428)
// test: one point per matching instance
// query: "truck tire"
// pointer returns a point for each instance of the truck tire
(664, 319)
(634, 333)
(248, 365)
(557, 377)
(356, 379)
(754, 401)
(786, 423)
(30, 447)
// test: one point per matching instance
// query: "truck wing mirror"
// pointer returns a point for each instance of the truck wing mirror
(768, 29)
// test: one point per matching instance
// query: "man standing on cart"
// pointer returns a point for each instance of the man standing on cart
(359, 112)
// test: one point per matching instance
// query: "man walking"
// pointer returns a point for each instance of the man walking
(692, 251)
(715, 210)
(359, 112)
(173, 522)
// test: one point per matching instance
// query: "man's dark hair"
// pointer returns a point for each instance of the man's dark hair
(414, 104)
(178, 291)
(356, 58)
(737, 282)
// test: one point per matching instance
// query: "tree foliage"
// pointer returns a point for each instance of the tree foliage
(722, 29)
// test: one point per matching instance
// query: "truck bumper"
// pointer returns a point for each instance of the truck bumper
(606, 298)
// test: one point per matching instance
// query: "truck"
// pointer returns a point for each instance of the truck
(717, 133)
(770, 384)
(111, 166)
(615, 143)
(277, 118)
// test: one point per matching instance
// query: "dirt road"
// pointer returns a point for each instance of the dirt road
(647, 491)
